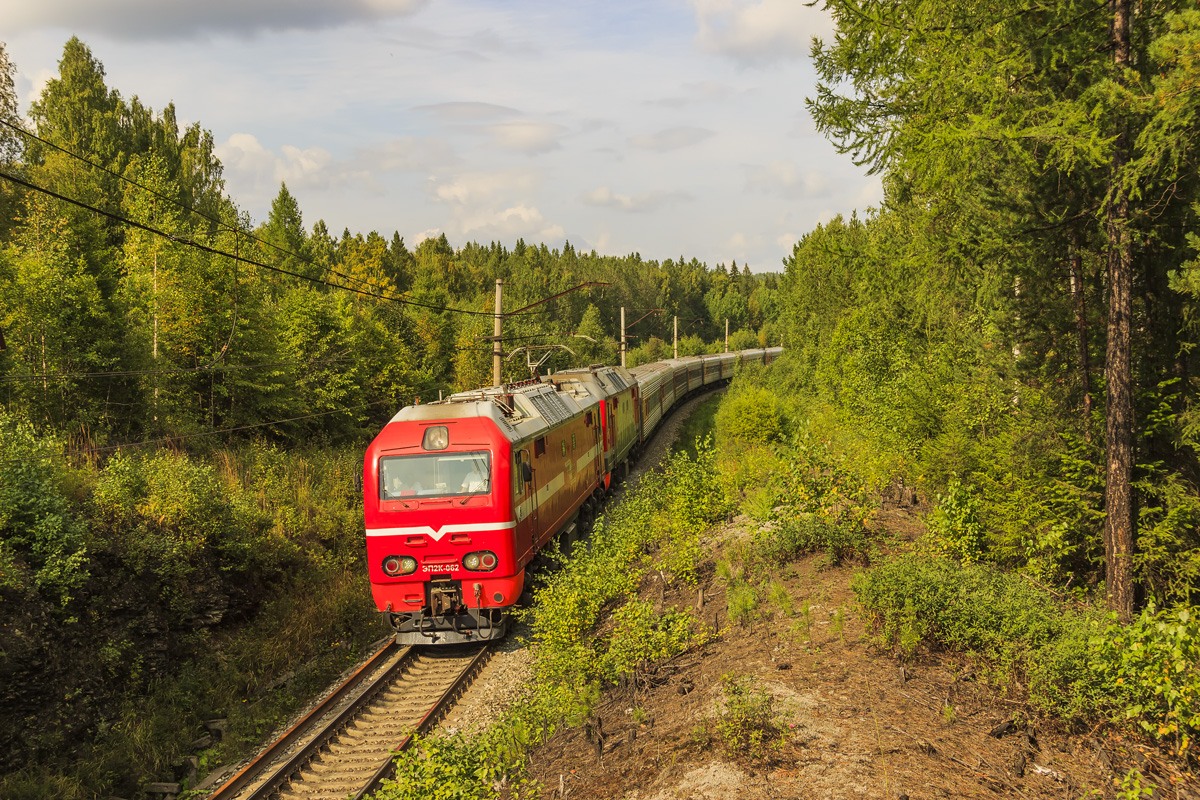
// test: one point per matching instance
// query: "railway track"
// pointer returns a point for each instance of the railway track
(344, 747)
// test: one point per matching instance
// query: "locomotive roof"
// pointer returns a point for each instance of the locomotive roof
(520, 411)
(598, 380)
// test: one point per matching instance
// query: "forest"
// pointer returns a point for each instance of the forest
(1011, 334)
(185, 395)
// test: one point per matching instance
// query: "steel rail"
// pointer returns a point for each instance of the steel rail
(388, 768)
(230, 788)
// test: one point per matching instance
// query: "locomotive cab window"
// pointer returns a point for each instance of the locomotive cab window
(441, 475)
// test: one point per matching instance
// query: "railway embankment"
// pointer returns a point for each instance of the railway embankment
(760, 622)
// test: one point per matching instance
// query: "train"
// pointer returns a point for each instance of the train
(461, 495)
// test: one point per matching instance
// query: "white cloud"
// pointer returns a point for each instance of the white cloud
(787, 240)
(648, 201)
(671, 138)
(426, 234)
(785, 178)
(759, 31)
(516, 221)
(526, 136)
(476, 188)
(871, 194)
(36, 84)
(251, 165)
(183, 19)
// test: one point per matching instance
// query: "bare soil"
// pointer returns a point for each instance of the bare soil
(853, 721)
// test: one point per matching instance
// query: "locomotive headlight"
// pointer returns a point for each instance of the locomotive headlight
(399, 565)
(483, 561)
(436, 438)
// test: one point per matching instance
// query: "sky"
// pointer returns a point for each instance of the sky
(664, 127)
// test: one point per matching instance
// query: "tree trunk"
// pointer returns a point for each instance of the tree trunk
(1118, 493)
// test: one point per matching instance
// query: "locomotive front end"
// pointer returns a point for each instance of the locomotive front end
(440, 527)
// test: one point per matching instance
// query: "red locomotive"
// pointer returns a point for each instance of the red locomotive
(460, 495)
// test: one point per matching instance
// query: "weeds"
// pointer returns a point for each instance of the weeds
(837, 624)
(747, 728)
(781, 599)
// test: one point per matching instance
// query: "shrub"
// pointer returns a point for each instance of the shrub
(42, 542)
(1150, 672)
(807, 534)
(450, 767)
(751, 415)
(979, 609)
(955, 526)
(166, 513)
(747, 727)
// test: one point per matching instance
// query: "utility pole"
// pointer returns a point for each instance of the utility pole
(727, 334)
(497, 352)
(622, 336)
(675, 345)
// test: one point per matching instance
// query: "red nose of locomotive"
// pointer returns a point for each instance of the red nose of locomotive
(439, 525)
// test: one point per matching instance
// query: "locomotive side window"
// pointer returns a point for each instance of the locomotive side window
(442, 475)
(539, 446)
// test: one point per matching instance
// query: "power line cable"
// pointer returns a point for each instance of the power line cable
(206, 248)
(237, 229)
(191, 209)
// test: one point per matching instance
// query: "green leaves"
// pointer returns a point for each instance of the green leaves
(43, 544)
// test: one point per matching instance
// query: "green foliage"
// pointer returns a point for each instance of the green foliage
(749, 415)
(447, 767)
(954, 524)
(1150, 671)
(808, 534)
(976, 608)
(741, 602)
(747, 727)
(1145, 672)
(697, 430)
(43, 544)
(189, 545)
(165, 511)
(640, 637)
(666, 513)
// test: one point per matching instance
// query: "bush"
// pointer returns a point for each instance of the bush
(43, 543)
(955, 524)
(453, 767)
(747, 727)
(664, 515)
(979, 609)
(1147, 672)
(1150, 672)
(807, 534)
(167, 514)
(749, 415)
